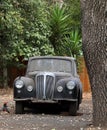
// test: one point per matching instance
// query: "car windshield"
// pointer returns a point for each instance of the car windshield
(51, 65)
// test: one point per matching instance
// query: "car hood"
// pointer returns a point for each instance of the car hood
(57, 75)
(62, 75)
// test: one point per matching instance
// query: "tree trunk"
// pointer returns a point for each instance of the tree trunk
(5, 81)
(94, 32)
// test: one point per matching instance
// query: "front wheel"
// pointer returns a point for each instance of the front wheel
(19, 108)
(73, 108)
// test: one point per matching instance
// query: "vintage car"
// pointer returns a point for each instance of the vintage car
(51, 79)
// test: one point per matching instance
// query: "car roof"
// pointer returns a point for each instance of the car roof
(52, 57)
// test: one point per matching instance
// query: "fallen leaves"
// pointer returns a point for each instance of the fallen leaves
(43, 121)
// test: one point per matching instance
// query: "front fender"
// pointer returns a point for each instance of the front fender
(22, 92)
(26, 80)
(66, 94)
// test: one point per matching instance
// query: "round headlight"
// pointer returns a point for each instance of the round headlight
(29, 88)
(59, 88)
(19, 84)
(70, 85)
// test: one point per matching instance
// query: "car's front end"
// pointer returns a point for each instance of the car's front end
(46, 86)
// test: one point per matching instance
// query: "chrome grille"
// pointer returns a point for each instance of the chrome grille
(45, 85)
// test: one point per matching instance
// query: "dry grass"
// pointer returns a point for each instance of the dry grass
(6, 91)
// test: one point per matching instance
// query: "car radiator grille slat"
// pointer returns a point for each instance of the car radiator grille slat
(39, 89)
(44, 86)
(49, 86)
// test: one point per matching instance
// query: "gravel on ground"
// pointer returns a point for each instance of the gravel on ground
(45, 121)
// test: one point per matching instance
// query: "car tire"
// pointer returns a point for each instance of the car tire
(19, 108)
(73, 108)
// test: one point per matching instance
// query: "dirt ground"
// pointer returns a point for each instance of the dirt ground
(43, 120)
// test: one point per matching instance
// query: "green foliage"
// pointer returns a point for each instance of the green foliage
(59, 23)
(37, 27)
(73, 7)
(72, 44)
(10, 28)
(36, 31)
(65, 39)
(23, 29)
(28, 28)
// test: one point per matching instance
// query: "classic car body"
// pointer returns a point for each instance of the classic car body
(49, 79)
